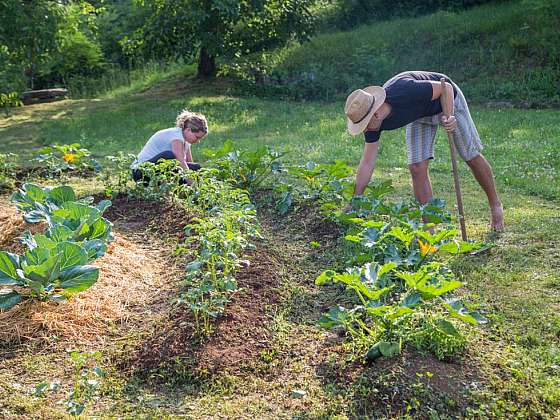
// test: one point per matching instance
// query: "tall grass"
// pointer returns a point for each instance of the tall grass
(116, 80)
(496, 52)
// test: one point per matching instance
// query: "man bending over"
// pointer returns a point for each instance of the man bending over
(412, 98)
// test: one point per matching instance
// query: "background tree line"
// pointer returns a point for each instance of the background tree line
(48, 43)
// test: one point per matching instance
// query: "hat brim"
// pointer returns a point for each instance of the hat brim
(379, 95)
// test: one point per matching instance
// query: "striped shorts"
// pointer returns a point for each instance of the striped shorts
(421, 134)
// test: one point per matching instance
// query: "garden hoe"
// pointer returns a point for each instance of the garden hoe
(447, 112)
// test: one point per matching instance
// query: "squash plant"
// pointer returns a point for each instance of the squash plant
(60, 158)
(398, 272)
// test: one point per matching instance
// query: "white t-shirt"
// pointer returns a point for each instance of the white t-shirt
(159, 143)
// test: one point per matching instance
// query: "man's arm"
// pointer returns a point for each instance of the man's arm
(365, 168)
(449, 123)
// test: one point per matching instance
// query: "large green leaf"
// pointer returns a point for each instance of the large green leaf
(402, 235)
(60, 233)
(77, 213)
(325, 277)
(62, 194)
(389, 349)
(446, 327)
(337, 316)
(36, 216)
(412, 300)
(77, 279)
(103, 205)
(9, 298)
(36, 256)
(46, 272)
(99, 229)
(458, 310)
(9, 263)
(95, 248)
(42, 241)
(70, 255)
(35, 193)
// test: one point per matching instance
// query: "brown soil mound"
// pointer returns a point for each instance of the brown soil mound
(239, 336)
(135, 274)
(141, 218)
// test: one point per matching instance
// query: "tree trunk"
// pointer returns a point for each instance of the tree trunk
(206, 64)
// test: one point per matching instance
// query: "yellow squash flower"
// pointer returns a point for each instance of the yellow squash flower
(69, 157)
(426, 248)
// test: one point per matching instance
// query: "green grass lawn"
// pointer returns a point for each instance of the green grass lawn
(516, 356)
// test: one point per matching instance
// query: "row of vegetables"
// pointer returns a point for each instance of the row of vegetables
(57, 261)
(398, 254)
(399, 272)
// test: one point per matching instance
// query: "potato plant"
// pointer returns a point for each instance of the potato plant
(220, 238)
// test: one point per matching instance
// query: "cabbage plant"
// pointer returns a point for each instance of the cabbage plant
(53, 271)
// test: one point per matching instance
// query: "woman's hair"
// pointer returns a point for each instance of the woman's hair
(196, 122)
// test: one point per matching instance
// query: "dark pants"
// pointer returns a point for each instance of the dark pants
(138, 175)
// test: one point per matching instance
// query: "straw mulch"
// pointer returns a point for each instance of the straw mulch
(137, 275)
(12, 227)
(129, 282)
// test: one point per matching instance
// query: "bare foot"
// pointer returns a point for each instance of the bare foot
(497, 218)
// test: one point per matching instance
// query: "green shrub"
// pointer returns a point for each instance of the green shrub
(9, 101)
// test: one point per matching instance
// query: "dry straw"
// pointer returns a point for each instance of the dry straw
(130, 278)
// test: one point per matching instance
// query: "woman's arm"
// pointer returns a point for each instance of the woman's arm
(178, 149)
(188, 155)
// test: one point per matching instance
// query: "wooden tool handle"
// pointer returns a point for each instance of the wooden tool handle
(447, 112)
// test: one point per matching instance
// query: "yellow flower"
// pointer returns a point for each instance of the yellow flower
(426, 248)
(69, 157)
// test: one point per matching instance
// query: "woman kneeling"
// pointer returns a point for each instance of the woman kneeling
(173, 143)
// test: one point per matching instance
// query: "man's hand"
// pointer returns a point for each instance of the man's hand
(449, 123)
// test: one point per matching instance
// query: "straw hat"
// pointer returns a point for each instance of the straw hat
(361, 105)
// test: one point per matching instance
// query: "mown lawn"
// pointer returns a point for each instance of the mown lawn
(512, 365)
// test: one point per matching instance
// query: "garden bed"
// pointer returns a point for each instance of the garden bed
(136, 273)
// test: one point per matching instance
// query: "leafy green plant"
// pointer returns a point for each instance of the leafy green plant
(55, 265)
(45, 273)
(60, 159)
(118, 177)
(9, 101)
(399, 274)
(8, 163)
(161, 179)
(87, 382)
(327, 184)
(38, 203)
(248, 169)
(219, 239)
